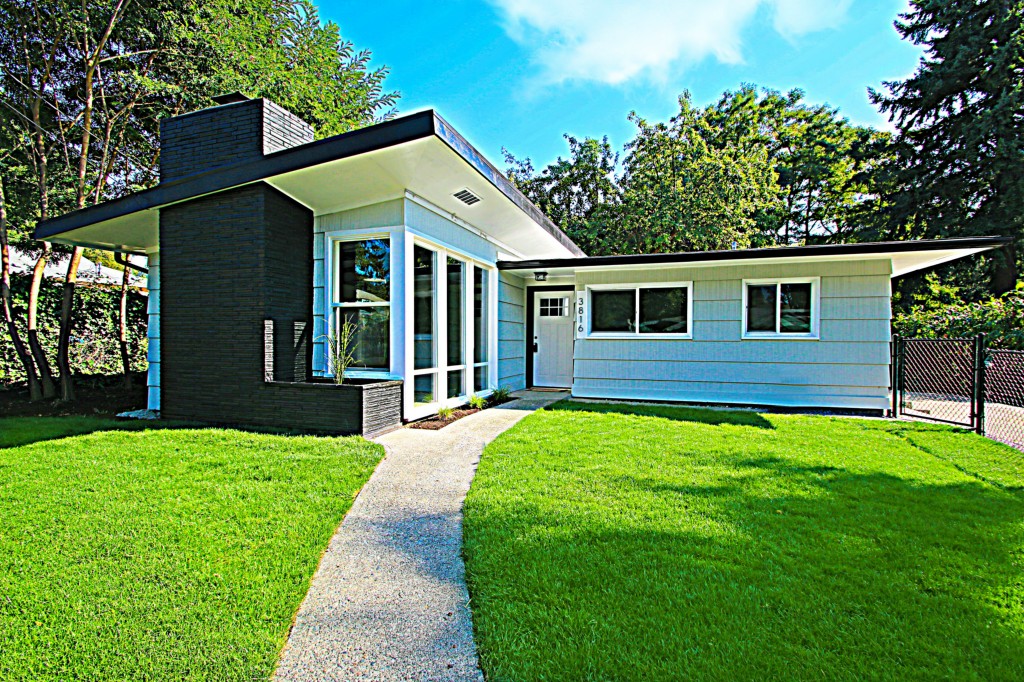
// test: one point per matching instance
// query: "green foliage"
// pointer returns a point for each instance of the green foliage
(94, 345)
(477, 402)
(632, 543)
(1000, 318)
(341, 348)
(501, 394)
(750, 170)
(958, 168)
(445, 413)
(130, 552)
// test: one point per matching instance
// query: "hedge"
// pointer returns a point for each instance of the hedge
(94, 347)
(1000, 318)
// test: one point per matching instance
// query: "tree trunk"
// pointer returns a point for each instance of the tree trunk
(67, 307)
(35, 391)
(42, 364)
(122, 329)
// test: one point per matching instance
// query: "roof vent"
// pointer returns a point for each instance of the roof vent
(467, 197)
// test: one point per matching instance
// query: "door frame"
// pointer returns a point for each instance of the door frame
(530, 290)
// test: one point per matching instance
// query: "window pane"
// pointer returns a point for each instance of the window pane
(554, 307)
(456, 289)
(455, 383)
(663, 310)
(480, 379)
(364, 271)
(612, 311)
(481, 303)
(761, 308)
(371, 343)
(796, 308)
(423, 388)
(424, 336)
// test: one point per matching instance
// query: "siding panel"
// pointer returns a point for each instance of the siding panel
(511, 331)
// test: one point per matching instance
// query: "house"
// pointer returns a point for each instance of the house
(260, 240)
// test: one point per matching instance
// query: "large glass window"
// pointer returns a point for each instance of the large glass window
(363, 300)
(641, 310)
(424, 324)
(779, 308)
(481, 329)
(456, 327)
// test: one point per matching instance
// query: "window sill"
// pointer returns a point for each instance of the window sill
(780, 337)
(638, 337)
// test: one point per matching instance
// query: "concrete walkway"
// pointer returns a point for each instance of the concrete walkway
(389, 599)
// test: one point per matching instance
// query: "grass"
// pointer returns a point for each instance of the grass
(129, 552)
(608, 542)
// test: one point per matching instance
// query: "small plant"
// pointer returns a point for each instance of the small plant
(499, 395)
(445, 413)
(341, 349)
(478, 402)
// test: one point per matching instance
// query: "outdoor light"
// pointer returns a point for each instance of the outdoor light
(540, 276)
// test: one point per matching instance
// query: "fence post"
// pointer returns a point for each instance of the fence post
(895, 362)
(979, 384)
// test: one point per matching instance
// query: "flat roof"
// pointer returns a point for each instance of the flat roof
(907, 256)
(133, 218)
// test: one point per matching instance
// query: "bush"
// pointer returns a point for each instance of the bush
(1000, 318)
(477, 402)
(94, 347)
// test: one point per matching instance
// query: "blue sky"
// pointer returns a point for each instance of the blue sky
(521, 73)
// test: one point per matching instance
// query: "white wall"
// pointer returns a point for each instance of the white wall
(153, 333)
(848, 367)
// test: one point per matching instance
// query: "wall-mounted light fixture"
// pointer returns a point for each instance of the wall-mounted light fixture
(540, 276)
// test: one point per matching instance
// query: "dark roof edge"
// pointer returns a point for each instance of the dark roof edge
(469, 153)
(387, 134)
(752, 254)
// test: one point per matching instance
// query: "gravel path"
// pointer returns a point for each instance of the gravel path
(389, 599)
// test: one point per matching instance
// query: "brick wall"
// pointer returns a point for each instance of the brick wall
(225, 135)
(236, 305)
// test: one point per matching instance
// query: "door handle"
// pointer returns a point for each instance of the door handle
(534, 346)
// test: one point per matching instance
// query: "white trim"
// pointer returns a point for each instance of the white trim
(636, 287)
(813, 335)
(435, 244)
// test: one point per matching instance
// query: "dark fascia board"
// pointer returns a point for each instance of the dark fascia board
(753, 254)
(372, 138)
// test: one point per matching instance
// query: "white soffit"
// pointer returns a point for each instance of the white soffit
(137, 232)
(430, 169)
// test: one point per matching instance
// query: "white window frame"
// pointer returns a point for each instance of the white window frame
(813, 335)
(440, 371)
(636, 287)
(332, 244)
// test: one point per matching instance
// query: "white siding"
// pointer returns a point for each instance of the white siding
(848, 367)
(153, 333)
(511, 332)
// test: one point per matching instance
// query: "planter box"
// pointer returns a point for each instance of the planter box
(362, 407)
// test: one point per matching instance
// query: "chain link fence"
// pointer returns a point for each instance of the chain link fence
(961, 382)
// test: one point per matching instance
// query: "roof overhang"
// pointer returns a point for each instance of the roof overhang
(906, 256)
(419, 154)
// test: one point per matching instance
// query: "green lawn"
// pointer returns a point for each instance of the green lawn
(160, 553)
(609, 542)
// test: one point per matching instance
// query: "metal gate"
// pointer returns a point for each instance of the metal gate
(941, 380)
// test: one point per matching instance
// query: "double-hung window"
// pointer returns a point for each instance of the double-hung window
(647, 310)
(782, 308)
(362, 298)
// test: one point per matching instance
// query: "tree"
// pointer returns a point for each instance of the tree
(85, 85)
(958, 168)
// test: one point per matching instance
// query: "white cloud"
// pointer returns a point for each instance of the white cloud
(614, 41)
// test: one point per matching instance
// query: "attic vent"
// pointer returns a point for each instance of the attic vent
(467, 197)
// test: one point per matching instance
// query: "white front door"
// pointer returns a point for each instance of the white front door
(552, 339)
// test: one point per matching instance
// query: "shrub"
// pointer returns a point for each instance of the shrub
(477, 402)
(1000, 318)
(499, 395)
(94, 348)
(445, 413)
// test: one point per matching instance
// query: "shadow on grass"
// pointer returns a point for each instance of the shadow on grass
(697, 415)
(858, 574)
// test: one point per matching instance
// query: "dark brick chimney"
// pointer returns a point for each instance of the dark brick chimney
(240, 130)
